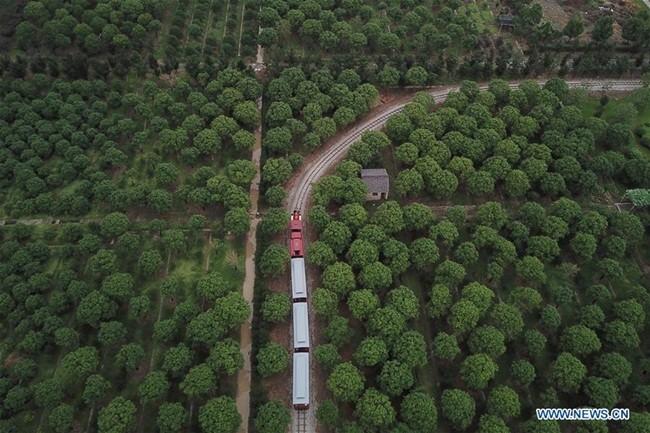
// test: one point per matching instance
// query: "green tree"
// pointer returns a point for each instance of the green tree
(219, 415)
(114, 225)
(225, 357)
(523, 372)
(154, 387)
(346, 382)
(129, 357)
(237, 221)
(61, 418)
(580, 340)
(477, 370)
(95, 389)
(487, 340)
(503, 402)
(117, 417)
(362, 303)
(567, 373)
(418, 410)
(445, 346)
(171, 417)
(149, 262)
(276, 307)
(375, 410)
(339, 278)
(325, 302)
(463, 317)
(458, 407)
(274, 260)
(411, 349)
(395, 378)
(507, 319)
(200, 380)
(271, 358)
(601, 392)
(371, 351)
(272, 417)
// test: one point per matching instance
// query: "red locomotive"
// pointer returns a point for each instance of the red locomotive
(296, 241)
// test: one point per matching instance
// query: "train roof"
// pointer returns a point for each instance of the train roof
(300, 325)
(301, 378)
(298, 279)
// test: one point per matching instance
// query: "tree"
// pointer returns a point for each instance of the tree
(117, 417)
(171, 417)
(603, 30)
(417, 217)
(362, 303)
(449, 273)
(395, 378)
(418, 410)
(177, 360)
(580, 340)
(531, 269)
(503, 402)
(458, 407)
(480, 183)
(276, 171)
(154, 387)
(111, 333)
(274, 260)
(237, 221)
(61, 418)
(491, 214)
(375, 410)
(525, 299)
(639, 422)
(375, 276)
(621, 335)
(353, 215)
(477, 370)
(276, 307)
(166, 173)
(173, 240)
(371, 351)
(327, 413)
(487, 340)
(445, 346)
(442, 184)
(389, 216)
(481, 296)
(48, 393)
(523, 372)
(114, 225)
(463, 317)
(95, 389)
(325, 302)
(327, 355)
(199, 380)
(225, 357)
(362, 253)
(219, 415)
(627, 226)
(272, 417)
(149, 262)
(507, 319)
(404, 301)
(337, 235)
(630, 312)
(517, 183)
(601, 392)
(79, 363)
(129, 357)
(346, 382)
(271, 358)
(567, 373)
(411, 349)
(492, 424)
(423, 251)
(339, 278)
(573, 28)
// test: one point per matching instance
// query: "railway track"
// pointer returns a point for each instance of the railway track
(298, 197)
(300, 425)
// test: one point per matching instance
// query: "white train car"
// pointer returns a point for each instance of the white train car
(298, 280)
(300, 327)
(301, 381)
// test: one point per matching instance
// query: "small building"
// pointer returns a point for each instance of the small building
(377, 181)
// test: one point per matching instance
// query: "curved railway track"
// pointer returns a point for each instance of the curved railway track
(298, 196)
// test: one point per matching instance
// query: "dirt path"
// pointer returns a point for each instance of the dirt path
(225, 21)
(241, 28)
(208, 26)
(245, 336)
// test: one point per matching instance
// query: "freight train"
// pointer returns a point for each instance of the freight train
(300, 314)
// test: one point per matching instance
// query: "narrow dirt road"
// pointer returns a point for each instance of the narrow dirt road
(245, 345)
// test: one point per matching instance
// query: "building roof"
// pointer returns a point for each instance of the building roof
(376, 179)
(300, 325)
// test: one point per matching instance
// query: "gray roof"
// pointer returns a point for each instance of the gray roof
(376, 179)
